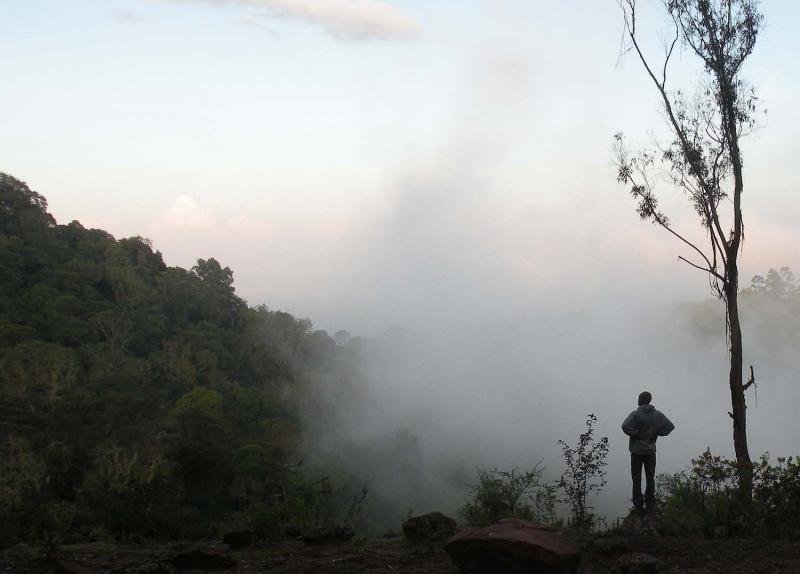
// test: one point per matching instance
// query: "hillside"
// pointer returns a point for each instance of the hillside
(139, 399)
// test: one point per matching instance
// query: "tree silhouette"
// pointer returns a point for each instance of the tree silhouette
(704, 158)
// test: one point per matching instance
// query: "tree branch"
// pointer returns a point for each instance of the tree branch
(669, 55)
(711, 269)
(701, 268)
(676, 126)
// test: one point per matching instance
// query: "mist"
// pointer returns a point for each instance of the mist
(503, 293)
(502, 302)
(503, 296)
(429, 406)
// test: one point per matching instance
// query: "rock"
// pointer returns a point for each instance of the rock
(238, 538)
(429, 527)
(389, 534)
(203, 557)
(637, 563)
(513, 546)
(642, 524)
(327, 534)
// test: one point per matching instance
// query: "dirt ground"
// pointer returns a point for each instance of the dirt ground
(676, 555)
(698, 556)
(397, 556)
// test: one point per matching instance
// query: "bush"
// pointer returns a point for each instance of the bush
(700, 500)
(776, 494)
(585, 473)
(704, 499)
(509, 494)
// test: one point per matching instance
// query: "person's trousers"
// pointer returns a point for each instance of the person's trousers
(649, 463)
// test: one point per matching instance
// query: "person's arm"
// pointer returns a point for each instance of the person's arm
(629, 425)
(667, 427)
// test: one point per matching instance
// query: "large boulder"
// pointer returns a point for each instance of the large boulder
(513, 546)
(429, 527)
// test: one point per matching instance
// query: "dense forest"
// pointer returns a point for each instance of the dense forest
(140, 399)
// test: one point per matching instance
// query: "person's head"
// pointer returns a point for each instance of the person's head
(645, 398)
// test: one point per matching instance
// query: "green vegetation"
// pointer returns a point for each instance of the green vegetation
(584, 474)
(510, 494)
(704, 501)
(525, 494)
(140, 400)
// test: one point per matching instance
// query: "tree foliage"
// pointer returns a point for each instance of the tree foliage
(147, 400)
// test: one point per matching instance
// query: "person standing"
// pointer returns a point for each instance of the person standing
(644, 426)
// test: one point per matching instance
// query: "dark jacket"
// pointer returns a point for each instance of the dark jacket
(644, 426)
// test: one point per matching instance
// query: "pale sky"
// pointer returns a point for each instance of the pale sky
(366, 163)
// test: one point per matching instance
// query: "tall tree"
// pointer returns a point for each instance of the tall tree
(704, 157)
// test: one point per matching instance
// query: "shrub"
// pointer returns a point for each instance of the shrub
(704, 499)
(509, 494)
(776, 494)
(585, 473)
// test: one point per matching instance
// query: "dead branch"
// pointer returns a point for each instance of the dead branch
(752, 380)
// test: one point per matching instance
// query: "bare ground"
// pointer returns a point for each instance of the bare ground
(397, 556)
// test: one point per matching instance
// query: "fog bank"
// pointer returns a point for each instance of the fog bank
(439, 402)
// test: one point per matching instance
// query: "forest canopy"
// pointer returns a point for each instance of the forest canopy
(139, 399)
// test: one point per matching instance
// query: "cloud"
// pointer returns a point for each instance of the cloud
(258, 21)
(186, 214)
(126, 17)
(352, 20)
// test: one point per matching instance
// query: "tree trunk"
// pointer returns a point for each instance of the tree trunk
(738, 405)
